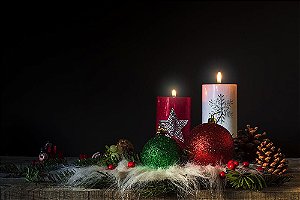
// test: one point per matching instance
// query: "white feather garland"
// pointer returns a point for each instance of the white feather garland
(186, 178)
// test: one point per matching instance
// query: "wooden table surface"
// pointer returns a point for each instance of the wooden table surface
(18, 188)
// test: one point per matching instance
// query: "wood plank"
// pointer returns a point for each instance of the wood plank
(18, 188)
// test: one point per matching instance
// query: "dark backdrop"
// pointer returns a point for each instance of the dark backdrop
(83, 78)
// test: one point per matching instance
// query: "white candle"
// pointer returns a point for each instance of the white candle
(220, 100)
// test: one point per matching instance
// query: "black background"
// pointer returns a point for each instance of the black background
(83, 78)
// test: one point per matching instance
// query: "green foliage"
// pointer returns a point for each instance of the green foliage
(112, 156)
(87, 162)
(12, 170)
(38, 172)
(276, 180)
(33, 174)
(245, 180)
(52, 164)
(59, 176)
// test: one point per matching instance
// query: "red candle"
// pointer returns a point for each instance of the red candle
(174, 115)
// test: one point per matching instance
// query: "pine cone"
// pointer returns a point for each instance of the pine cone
(246, 143)
(270, 158)
(125, 146)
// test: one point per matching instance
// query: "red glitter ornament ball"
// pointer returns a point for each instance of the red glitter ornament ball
(210, 143)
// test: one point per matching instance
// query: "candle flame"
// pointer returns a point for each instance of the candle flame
(173, 93)
(219, 77)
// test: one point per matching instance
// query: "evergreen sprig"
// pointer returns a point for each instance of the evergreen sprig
(87, 162)
(277, 180)
(39, 171)
(12, 170)
(59, 177)
(33, 174)
(106, 181)
(245, 180)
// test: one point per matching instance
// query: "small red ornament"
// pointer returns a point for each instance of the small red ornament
(222, 174)
(210, 143)
(246, 164)
(110, 167)
(231, 166)
(236, 163)
(131, 164)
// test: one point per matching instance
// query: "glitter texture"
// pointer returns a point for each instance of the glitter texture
(182, 108)
(160, 152)
(173, 125)
(210, 144)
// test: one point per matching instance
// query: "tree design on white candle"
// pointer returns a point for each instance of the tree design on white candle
(221, 108)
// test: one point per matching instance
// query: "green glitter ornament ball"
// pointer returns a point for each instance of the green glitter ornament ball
(160, 152)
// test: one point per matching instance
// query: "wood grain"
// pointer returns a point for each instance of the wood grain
(18, 188)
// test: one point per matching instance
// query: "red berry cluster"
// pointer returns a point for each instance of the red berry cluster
(130, 164)
(232, 164)
(49, 151)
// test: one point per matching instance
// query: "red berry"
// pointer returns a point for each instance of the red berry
(222, 174)
(111, 167)
(131, 164)
(246, 164)
(260, 169)
(230, 161)
(231, 166)
(236, 163)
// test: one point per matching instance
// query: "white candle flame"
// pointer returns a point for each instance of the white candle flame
(173, 93)
(219, 77)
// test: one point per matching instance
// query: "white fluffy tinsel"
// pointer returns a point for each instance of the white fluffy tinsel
(185, 178)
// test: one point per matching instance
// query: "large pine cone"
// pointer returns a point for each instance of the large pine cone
(270, 158)
(245, 145)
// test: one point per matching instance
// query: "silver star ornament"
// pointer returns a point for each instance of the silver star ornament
(173, 125)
